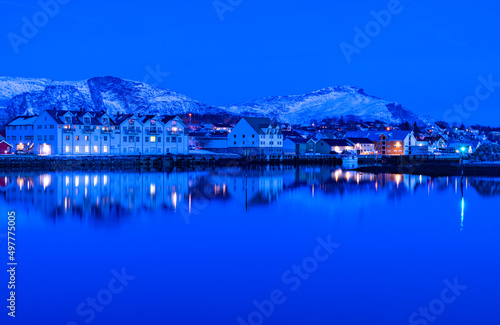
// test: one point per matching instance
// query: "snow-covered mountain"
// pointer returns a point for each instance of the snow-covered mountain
(31, 96)
(330, 102)
(114, 95)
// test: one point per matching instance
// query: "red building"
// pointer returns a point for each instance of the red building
(5, 148)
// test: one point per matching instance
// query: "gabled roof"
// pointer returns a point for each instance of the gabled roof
(360, 140)
(23, 120)
(168, 118)
(375, 135)
(260, 123)
(3, 141)
(291, 134)
(122, 118)
(297, 140)
(337, 142)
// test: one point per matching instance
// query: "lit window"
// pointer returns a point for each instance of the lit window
(95, 149)
(77, 148)
(67, 148)
(86, 148)
(105, 148)
(153, 139)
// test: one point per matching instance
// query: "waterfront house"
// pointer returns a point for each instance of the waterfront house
(20, 132)
(326, 146)
(294, 146)
(255, 136)
(391, 142)
(60, 132)
(176, 136)
(363, 146)
(5, 148)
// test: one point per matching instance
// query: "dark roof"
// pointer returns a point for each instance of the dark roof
(297, 140)
(221, 125)
(290, 134)
(360, 140)
(259, 123)
(168, 118)
(121, 118)
(337, 142)
(147, 118)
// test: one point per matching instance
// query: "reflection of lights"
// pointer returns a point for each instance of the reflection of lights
(398, 180)
(45, 149)
(174, 200)
(462, 215)
(347, 176)
(67, 180)
(152, 189)
(20, 183)
(376, 186)
(77, 181)
(86, 180)
(105, 180)
(95, 180)
(189, 202)
(46, 179)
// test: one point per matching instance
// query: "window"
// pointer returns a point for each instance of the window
(21, 137)
(45, 138)
(159, 139)
(137, 139)
(52, 126)
(96, 138)
(77, 137)
(124, 139)
(105, 149)
(67, 148)
(235, 135)
(105, 138)
(45, 126)
(131, 121)
(77, 149)
(86, 138)
(253, 135)
(38, 127)
(180, 139)
(51, 137)
(131, 139)
(38, 137)
(86, 120)
(168, 139)
(105, 120)
(95, 149)
(67, 137)
(243, 135)
(243, 142)
(146, 139)
(153, 139)
(86, 148)
(234, 142)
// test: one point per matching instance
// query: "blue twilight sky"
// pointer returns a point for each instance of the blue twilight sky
(428, 57)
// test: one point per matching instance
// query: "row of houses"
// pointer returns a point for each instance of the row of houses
(59, 132)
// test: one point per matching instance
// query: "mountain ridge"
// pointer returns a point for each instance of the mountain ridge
(19, 96)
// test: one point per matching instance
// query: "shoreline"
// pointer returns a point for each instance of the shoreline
(435, 170)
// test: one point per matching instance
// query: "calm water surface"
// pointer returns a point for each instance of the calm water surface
(266, 246)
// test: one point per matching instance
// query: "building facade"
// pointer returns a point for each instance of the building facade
(58, 132)
(253, 136)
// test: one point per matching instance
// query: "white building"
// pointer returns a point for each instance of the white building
(95, 133)
(255, 136)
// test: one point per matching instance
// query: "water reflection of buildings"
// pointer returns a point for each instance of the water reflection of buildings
(104, 195)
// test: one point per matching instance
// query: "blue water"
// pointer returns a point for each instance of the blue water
(267, 246)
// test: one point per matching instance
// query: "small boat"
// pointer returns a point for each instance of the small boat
(349, 159)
